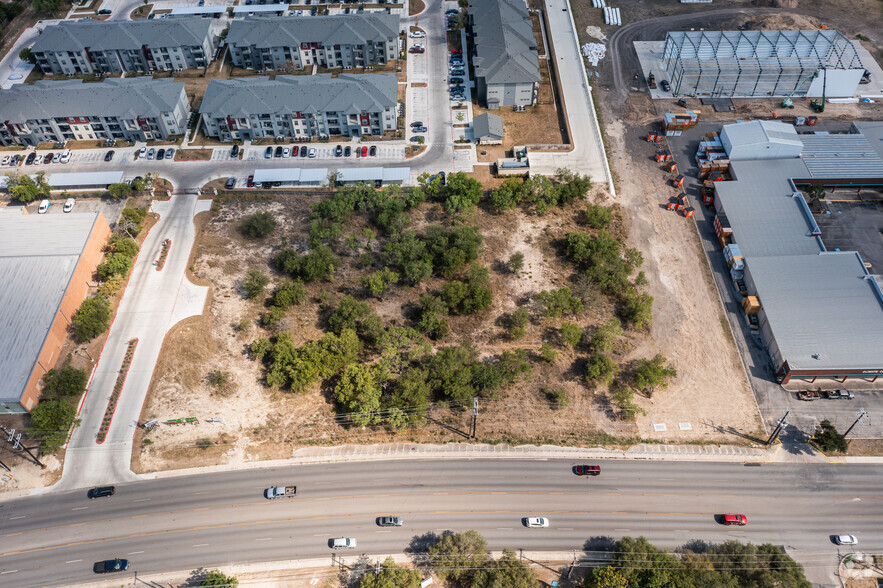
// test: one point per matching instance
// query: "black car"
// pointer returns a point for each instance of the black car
(456, 80)
(109, 155)
(231, 183)
(278, 152)
(235, 151)
(666, 87)
(303, 150)
(268, 153)
(444, 178)
(104, 11)
(416, 123)
(419, 129)
(110, 566)
(30, 158)
(372, 151)
(347, 151)
(100, 492)
(160, 154)
(338, 151)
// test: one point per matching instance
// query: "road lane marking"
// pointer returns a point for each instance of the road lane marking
(200, 545)
(18, 517)
(80, 508)
(504, 528)
(8, 572)
(565, 528)
(197, 493)
(73, 561)
(134, 552)
(141, 500)
(265, 539)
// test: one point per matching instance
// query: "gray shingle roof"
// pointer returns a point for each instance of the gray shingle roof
(121, 97)
(243, 97)
(504, 42)
(344, 29)
(123, 34)
(488, 125)
(38, 256)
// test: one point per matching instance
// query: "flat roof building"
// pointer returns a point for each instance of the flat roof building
(47, 262)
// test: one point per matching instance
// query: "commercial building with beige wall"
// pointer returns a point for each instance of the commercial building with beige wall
(47, 263)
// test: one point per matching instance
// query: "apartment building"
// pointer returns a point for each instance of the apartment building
(299, 107)
(77, 47)
(131, 109)
(507, 71)
(340, 41)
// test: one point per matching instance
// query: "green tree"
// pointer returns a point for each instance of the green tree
(48, 6)
(571, 186)
(379, 282)
(461, 193)
(50, 421)
(606, 335)
(254, 283)
(131, 221)
(542, 193)
(410, 392)
(637, 310)
(548, 353)
(217, 579)
(258, 225)
(120, 190)
(570, 334)
(123, 245)
(450, 373)
(508, 195)
(27, 56)
(431, 185)
(600, 368)
(432, 309)
(606, 578)
(358, 393)
(828, 439)
(391, 576)
(650, 374)
(507, 571)
(289, 293)
(455, 556)
(64, 383)
(115, 264)
(560, 302)
(450, 251)
(92, 318)
(597, 216)
(515, 263)
(643, 564)
(320, 263)
(26, 189)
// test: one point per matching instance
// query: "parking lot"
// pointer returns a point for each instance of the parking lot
(325, 151)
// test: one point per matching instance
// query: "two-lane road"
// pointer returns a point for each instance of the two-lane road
(212, 520)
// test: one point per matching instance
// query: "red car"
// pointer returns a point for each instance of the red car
(364, 152)
(250, 182)
(587, 470)
(735, 519)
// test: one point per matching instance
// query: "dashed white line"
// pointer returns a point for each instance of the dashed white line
(134, 552)
(141, 500)
(383, 531)
(8, 572)
(201, 545)
(73, 561)
(18, 517)
(206, 492)
(504, 528)
(265, 539)
(80, 508)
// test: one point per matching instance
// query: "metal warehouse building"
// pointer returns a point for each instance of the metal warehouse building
(745, 64)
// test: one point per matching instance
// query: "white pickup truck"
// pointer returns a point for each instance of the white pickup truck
(280, 492)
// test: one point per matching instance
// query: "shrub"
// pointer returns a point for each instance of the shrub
(272, 316)
(204, 443)
(461, 192)
(597, 216)
(50, 421)
(432, 308)
(622, 397)
(258, 225)
(600, 368)
(828, 439)
(64, 383)
(379, 282)
(111, 286)
(570, 334)
(115, 264)
(650, 374)
(515, 263)
(606, 335)
(559, 398)
(92, 318)
(119, 191)
(123, 245)
(637, 310)
(508, 195)
(548, 353)
(468, 297)
(289, 293)
(560, 302)
(453, 250)
(358, 393)
(254, 283)
(320, 263)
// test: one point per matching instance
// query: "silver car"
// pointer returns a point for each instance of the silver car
(390, 521)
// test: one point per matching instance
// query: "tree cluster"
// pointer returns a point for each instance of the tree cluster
(9, 10)
(462, 559)
(92, 318)
(439, 251)
(636, 563)
(258, 225)
(539, 192)
(827, 438)
(26, 189)
(56, 413)
(319, 263)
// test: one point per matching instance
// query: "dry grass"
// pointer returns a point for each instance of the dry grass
(868, 447)
(193, 155)
(415, 7)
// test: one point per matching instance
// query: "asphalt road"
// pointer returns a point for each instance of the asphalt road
(212, 520)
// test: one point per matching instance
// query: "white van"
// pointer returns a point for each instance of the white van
(44, 206)
(343, 543)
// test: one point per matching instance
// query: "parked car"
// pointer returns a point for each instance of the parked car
(99, 491)
(105, 11)
(535, 522)
(416, 50)
(278, 152)
(338, 151)
(364, 152)
(457, 89)
(416, 123)
(44, 207)
(419, 130)
(235, 151)
(286, 152)
(110, 566)
(839, 394)
(451, 11)
(666, 87)
(418, 139)
(29, 160)
(390, 521)
(342, 543)
(231, 183)
(16, 159)
(845, 540)
(347, 151)
(587, 470)
(65, 156)
(250, 181)
(735, 519)
(458, 71)
(109, 155)
(170, 153)
(303, 151)
(311, 152)
(150, 153)
(268, 153)
(372, 151)
(38, 159)
(68, 205)
(457, 97)
(5, 160)
(142, 152)
(416, 34)
(48, 158)
(161, 154)
(455, 80)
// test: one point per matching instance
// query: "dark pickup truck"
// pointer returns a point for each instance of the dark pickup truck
(808, 395)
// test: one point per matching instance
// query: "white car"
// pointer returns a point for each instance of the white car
(417, 46)
(532, 522)
(416, 34)
(311, 152)
(65, 156)
(68, 205)
(5, 160)
(845, 540)
(286, 152)
(38, 160)
(44, 207)
(343, 543)
(142, 152)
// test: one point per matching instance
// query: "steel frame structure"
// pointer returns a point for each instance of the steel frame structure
(753, 63)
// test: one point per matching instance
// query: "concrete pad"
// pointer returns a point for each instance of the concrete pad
(875, 88)
(650, 56)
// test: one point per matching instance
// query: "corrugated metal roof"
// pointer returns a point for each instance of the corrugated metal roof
(38, 256)
(761, 131)
(841, 156)
(188, 10)
(371, 174)
(291, 174)
(64, 180)
(265, 8)
(823, 309)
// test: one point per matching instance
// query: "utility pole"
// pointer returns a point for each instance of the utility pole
(860, 416)
(474, 417)
(780, 426)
